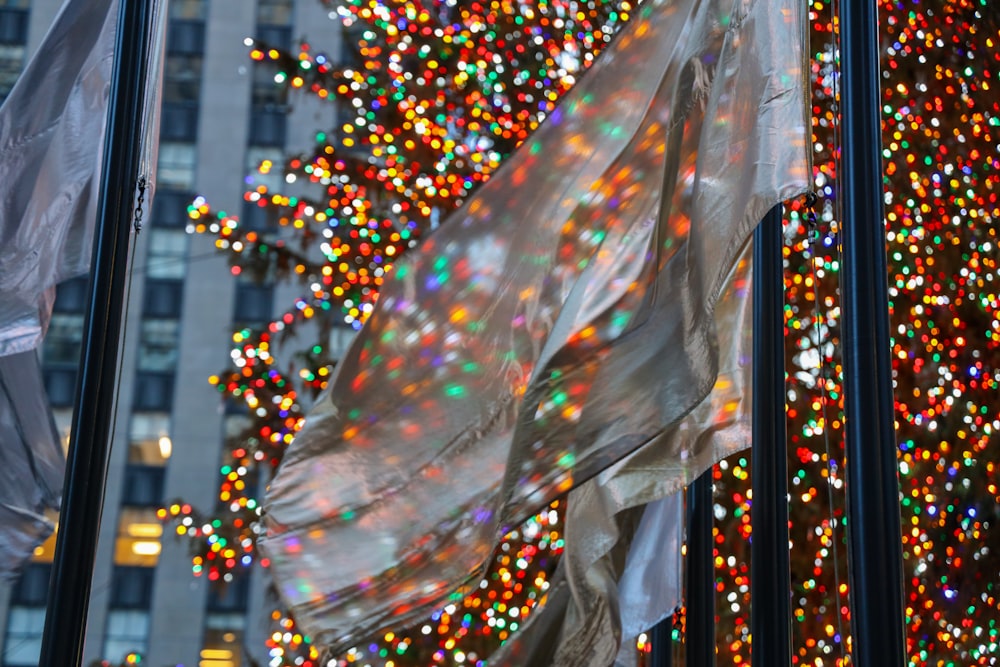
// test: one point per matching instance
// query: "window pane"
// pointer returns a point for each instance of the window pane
(254, 303)
(131, 589)
(187, 9)
(167, 257)
(11, 58)
(176, 165)
(63, 340)
(71, 296)
(139, 533)
(223, 647)
(149, 438)
(153, 391)
(274, 12)
(33, 586)
(24, 636)
(158, 342)
(170, 209)
(162, 298)
(265, 164)
(181, 78)
(143, 486)
(127, 633)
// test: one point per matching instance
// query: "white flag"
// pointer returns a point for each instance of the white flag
(51, 136)
(563, 319)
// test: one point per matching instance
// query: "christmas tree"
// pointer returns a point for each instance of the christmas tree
(434, 96)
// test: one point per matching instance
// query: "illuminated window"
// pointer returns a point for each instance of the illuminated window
(223, 641)
(46, 551)
(149, 438)
(139, 533)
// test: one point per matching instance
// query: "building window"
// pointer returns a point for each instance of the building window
(264, 92)
(153, 391)
(167, 256)
(254, 303)
(179, 121)
(158, 345)
(182, 78)
(340, 339)
(13, 37)
(191, 10)
(163, 298)
(60, 385)
(71, 296)
(176, 165)
(274, 12)
(222, 648)
(127, 632)
(143, 486)
(230, 598)
(131, 587)
(64, 338)
(138, 541)
(26, 618)
(149, 439)
(186, 38)
(267, 126)
(24, 636)
(170, 209)
(266, 164)
(257, 218)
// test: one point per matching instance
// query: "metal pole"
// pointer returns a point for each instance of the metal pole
(662, 638)
(875, 562)
(770, 582)
(83, 491)
(700, 574)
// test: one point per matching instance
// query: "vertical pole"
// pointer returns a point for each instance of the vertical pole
(662, 638)
(770, 583)
(83, 490)
(700, 574)
(875, 549)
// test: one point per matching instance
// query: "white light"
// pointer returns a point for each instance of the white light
(166, 446)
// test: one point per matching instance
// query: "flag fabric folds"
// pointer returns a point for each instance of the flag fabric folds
(620, 573)
(51, 136)
(32, 474)
(562, 320)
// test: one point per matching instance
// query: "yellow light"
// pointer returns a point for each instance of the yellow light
(140, 548)
(145, 529)
(216, 654)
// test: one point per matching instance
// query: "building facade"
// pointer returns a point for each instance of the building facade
(221, 116)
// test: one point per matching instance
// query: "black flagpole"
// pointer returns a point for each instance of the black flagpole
(770, 613)
(662, 639)
(83, 490)
(700, 629)
(875, 549)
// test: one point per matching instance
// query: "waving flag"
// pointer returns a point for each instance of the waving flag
(562, 320)
(51, 135)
